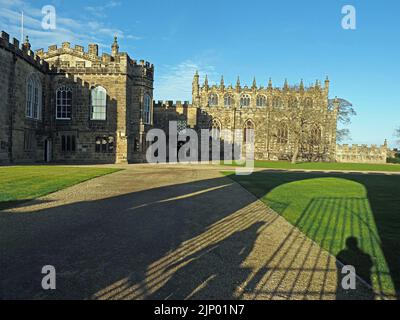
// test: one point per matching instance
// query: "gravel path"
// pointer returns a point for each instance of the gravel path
(161, 232)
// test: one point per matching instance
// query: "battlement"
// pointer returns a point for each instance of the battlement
(363, 147)
(169, 104)
(22, 51)
(362, 153)
(92, 54)
(75, 59)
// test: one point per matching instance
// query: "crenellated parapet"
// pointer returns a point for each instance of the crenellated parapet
(182, 112)
(142, 69)
(362, 153)
(170, 104)
(23, 51)
(77, 60)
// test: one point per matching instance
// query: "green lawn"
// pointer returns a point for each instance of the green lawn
(332, 208)
(327, 166)
(24, 183)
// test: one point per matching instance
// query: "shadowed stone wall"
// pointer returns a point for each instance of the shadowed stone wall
(23, 139)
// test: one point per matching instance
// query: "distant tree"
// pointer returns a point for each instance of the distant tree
(300, 121)
(345, 112)
(397, 135)
(342, 135)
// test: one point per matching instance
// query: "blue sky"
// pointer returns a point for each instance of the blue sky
(278, 39)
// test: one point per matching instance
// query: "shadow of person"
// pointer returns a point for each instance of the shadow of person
(214, 272)
(362, 263)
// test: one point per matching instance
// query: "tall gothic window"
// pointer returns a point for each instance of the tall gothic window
(99, 104)
(308, 103)
(64, 103)
(261, 101)
(147, 109)
(316, 135)
(215, 126)
(245, 100)
(277, 102)
(248, 132)
(228, 100)
(283, 134)
(293, 102)
(33, 98)
(213, 99)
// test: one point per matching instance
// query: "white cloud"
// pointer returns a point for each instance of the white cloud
(175, 81)
(99, 11)
(74, 30)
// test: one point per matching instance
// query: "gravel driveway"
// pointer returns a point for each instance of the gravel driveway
(161, 232)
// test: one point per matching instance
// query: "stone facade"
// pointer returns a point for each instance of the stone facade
(263, 109)
(362, 153)
(50, 110)
(75, 136)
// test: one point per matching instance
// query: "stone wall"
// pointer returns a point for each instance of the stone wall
(362, 153)
(268, 109)
(21, 138)
(126, 82)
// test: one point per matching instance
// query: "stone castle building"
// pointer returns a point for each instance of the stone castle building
(75, 106)
(72, 105)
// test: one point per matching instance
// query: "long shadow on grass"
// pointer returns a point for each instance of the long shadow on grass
(330, 221)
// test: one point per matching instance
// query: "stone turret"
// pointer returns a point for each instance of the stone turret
(93, 50)
(115, 47)
(327, 82)
(270, 83)
(26, 46)
(238, 87)
(196, 88)
(254, 86)
(222, 84)
(206, 87)
(286, 85)
(301, 86)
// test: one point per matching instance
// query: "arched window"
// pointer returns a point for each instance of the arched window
(308, 103)
(99, 103)
(277, 102)
(147, 109)
(33, 98)
(64, 103)
(248, 131)
(228, 100)
(261, 101)
(316, 135)
(283, 134)
(215, 126)
(293, 103)
(245, 100)
(213, 99)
